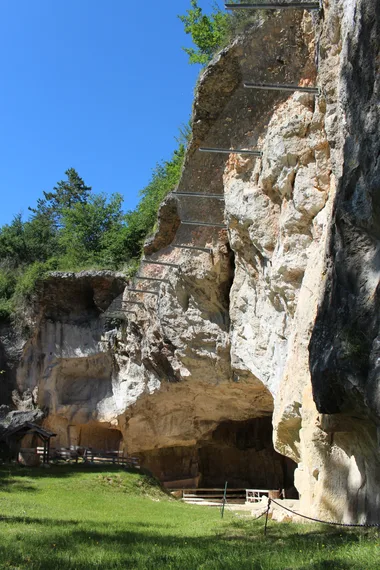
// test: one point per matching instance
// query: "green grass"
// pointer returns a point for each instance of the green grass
(77, 518)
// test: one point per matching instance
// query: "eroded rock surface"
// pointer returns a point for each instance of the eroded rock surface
(271, 323)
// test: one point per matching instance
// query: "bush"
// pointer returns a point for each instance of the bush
(207, 32)
(212, 33)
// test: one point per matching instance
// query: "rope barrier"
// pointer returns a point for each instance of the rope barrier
(266, 512)
(331, 523)
(239, 516)
(365, 525)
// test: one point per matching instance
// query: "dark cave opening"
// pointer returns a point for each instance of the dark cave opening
(242, 453)
(238, 452)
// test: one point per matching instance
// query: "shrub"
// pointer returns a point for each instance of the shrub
(212, 33)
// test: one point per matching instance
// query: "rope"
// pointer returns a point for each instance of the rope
(239, 516)
(375, 525)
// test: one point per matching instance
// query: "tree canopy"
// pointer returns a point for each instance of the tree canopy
(207, 32)
(72, 228)
(211, 33)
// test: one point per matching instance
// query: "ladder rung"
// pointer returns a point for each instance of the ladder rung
(231, 151)
(277, 6)
(143, 291)
(270, 87)
(207, 225)
(164, 263)
(197, 248)
(151, 278)
(199, 195)
(117, 311)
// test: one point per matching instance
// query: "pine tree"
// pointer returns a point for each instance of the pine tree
(65, 195)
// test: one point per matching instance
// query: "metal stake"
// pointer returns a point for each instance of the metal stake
(197, 248)
(232, 151)
(115, 314)
(270, 87)
(224, 500)
(283, 6)
(198, 195)
(164, 263)
(143, 291)
(195, 223)
(152, 278)
(266, 516)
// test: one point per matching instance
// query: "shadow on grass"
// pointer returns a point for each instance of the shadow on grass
(11, 486)
(70, 545)
(336, 564)
(50, 522)
(61, 470)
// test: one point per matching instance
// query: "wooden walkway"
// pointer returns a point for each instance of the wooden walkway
(213, 495)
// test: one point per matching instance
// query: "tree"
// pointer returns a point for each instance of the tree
(41, 237)
(13, 246)
(207, 32)
(65, 195)
(91, 232)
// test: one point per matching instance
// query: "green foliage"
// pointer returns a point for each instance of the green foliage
(8, 282)
(65, 195)
(72, 229)
(141, 221)
(355, 345)
(132, 268)
(92, 233)
(26, 242)
(6, 308)
(207, 32)
(211, 33)
(26, 283)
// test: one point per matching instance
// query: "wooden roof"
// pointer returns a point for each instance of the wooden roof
(29, 427)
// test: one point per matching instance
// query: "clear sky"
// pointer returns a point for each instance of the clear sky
(98, 85)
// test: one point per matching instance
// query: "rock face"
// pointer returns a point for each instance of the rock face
(255, 347)
(65, 369)
(344, 346)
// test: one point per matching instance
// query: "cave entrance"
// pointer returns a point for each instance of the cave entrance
(94, 435)
(239, 452)
(242, 453)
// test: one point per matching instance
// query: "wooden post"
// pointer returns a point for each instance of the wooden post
(266, 517)
(44, 454)
(224, 499)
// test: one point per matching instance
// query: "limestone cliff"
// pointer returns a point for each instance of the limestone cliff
(271, 324)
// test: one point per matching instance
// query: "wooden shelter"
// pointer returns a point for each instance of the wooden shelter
(28, 428)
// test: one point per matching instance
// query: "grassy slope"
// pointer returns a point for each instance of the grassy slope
(76, 518)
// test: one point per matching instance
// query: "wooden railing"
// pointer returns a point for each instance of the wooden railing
(91, 456)
(212, 494)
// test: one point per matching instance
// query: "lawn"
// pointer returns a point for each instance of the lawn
(77, 518)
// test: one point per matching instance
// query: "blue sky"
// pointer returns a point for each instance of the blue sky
(101, 86)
